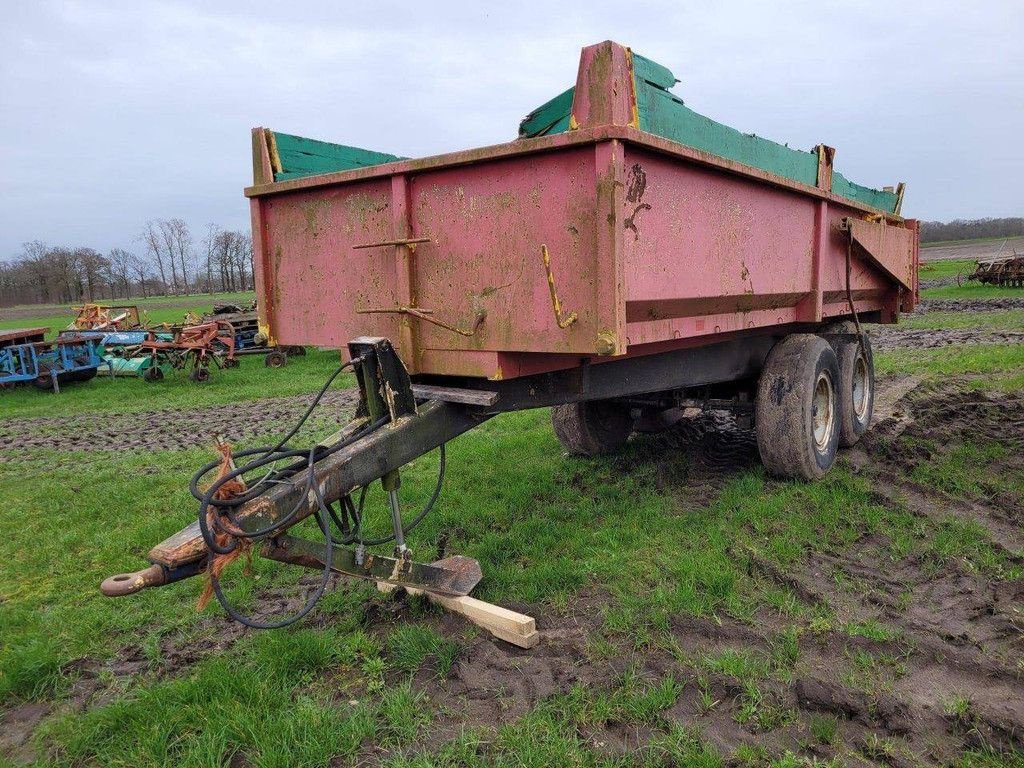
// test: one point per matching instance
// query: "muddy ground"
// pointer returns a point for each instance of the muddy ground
(958, 636)
(973, 250)
(173, 429)
(957, 633)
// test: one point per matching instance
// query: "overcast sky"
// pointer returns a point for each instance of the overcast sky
(114, 113)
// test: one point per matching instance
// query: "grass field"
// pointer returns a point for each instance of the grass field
(155, 310)
(687, 609)
(973, 241)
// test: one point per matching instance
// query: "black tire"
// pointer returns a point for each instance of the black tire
(86, 374)
(153, 373)
(593, 427)
(200, 375)
(231, 362)
(295, 351)
(44, 380)
(275, 359)
(797, 408)
(856, 383)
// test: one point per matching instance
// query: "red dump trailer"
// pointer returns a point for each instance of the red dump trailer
(622, 256)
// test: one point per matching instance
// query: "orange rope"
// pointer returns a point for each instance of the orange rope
(217, 563)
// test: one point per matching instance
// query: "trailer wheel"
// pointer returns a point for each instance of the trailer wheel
(593, 427)
(200, 375)
(856, 383)
(275, 359)
(797, 408)
(44, 380)
(153, 373)
(296, 351)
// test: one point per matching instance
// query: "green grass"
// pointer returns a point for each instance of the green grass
(155, 310)
(971, 290)
(931, 270)
(252, 380)
(542, 538)
(871, 629)
(1000, 320)
(410, 646)
(1001, 365)
(546, 529)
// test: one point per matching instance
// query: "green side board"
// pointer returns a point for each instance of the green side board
(552, 117)
(307, 157)
(667, 116)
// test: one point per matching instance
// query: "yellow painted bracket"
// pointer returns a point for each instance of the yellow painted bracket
(564, 321)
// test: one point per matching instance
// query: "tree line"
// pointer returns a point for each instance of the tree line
(970, 229)
(167, 261)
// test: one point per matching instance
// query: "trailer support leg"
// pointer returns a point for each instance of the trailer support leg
(391, 483)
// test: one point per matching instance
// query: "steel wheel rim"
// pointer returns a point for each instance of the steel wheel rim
(861, 387)
(823, 412)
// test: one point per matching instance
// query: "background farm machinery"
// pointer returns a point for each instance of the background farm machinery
(26, 358)
(114, 340)
(248, 338)
(195, 348)
(1006, 272)
(98, 317)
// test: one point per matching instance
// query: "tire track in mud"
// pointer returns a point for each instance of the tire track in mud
(172, 429)
(947, 676)
(969, 305)
(889, 338)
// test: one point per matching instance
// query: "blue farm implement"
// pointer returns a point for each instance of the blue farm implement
(26, 357)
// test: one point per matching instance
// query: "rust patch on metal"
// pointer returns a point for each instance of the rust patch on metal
(636, 185)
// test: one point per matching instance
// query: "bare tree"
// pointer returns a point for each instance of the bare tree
(90, 266)
(121, 268)
(178, 242)
(140, 269)
(151, 237)
(210, 246)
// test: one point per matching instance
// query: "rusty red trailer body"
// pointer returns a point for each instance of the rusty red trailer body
(604, 271)
(652, 245)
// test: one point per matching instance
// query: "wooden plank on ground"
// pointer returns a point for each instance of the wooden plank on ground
(510, 626)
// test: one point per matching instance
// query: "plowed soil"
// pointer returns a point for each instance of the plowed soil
(170, 429)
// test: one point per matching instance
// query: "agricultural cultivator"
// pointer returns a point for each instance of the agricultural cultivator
(195, 348)
(97, 317)
(1007, 272)
(623, 257)
(26, 358)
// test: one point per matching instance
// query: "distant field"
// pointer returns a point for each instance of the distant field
(985, 248)
(155, 310)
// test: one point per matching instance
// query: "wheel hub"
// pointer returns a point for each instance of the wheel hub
(861, 387)
(823, 411)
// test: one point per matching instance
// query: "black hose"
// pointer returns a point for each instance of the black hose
(310, 602)
(324, 513)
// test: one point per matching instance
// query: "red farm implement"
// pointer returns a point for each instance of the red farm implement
(194, 348)
(623, 257)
